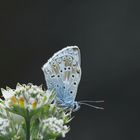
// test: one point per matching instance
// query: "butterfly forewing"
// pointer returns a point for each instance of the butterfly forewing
(63, 73)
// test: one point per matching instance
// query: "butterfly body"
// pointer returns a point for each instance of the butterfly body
(63, 73)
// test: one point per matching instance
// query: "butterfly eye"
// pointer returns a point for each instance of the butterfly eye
(64, 87)
(58, 75)
(61, 71)
(65, 68)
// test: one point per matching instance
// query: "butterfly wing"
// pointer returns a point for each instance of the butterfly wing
(63, 73)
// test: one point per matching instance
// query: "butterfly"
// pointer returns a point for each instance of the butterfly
(63, 73)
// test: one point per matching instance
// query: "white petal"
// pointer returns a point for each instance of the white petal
(7, 94)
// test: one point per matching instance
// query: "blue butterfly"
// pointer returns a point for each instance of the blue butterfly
(62, 74)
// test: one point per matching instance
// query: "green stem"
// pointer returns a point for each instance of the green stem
(51, 139)
(27, 119)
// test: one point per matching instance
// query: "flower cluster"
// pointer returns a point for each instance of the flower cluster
(54, 127)
(29, 112)
(26, 96)
(4, 124)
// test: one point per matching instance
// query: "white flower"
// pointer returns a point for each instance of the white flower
(4, 124)
(55, 126)
(26, 96)
(7, 93)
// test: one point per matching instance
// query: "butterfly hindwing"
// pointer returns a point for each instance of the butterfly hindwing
(63, 73)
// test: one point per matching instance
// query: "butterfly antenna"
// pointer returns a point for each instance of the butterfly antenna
(96, 107)
(86, 101)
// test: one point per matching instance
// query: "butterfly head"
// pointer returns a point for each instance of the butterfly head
(76, 106)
